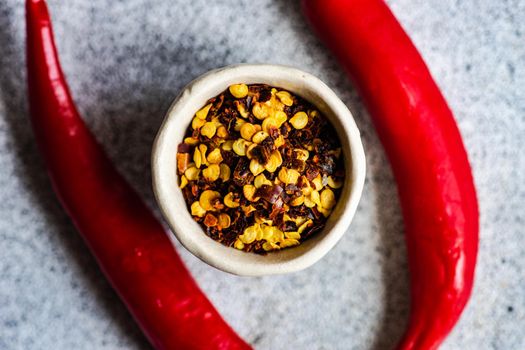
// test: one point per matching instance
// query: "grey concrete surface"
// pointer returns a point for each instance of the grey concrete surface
(126, 61)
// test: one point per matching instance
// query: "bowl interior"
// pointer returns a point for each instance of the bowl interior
(170, 198)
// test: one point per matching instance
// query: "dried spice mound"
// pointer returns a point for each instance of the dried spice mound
(260, 168)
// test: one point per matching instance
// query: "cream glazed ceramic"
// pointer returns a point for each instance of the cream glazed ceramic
(171, 201)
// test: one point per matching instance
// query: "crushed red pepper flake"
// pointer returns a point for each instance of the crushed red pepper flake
(260, 168)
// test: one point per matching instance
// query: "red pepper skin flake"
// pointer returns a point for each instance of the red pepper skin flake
(426, 152)
(129, 244)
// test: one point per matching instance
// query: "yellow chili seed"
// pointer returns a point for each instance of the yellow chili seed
(297, 201)
(334, 183)
(271, 165)
(279, 141)
(229, 202)
(215, 156)
(288, 176)
(247, 131)
(267, 232)
(239, 147)
(278, 156)
(261, 180)
(197, 158)
(249, 193)
(183, 182)
(299, 220)
(238, 124)
(203, 112)
(307, 189)
(272, 234)
(206, 199)
(299, 120)
(324, 211)
(238, 244)
(197, 209)
(247, 209)
(248, 236)
(292, 235)
(269, 246)
(285, 97)
(261, 111)
(224, 220)
(192, 173)
(308, 202)
(290, 242)
(275, 104)
(318, 183)
(250, 233)
(227, 146)
(255, 167)
(259, 136)
(203, 149)
(314, 196)
(215, 121)
(222, 132)
(192, 141)
(270, 123)
(292, 176)
(259, 233)
(305, 225)
(314, 113)
(280, 117)
(212, 172)
(302, 154)
(196, 123)
(274, 162)
(327, 198)
(208, 129)
(241, 108)
(225, 172)
(283, 174)
(239, 90)
(210, 220)
(277, 235)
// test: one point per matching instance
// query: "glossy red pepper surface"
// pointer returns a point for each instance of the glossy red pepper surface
(426, 152)
(129, 244)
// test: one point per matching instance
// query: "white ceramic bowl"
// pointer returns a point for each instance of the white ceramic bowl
(171, 201)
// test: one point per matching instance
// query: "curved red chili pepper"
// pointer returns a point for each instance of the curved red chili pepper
(129, 244)
(425, 150)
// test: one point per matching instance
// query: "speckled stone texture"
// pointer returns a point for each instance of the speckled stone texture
(126, 61)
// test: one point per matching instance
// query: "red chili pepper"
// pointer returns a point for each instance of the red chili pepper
(129, 244)
(425, 150)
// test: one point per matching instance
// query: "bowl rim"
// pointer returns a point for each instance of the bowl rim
(168, 195)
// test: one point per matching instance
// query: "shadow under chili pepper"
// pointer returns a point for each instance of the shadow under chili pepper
(394, 262)
(391, 246)
(30, 170)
